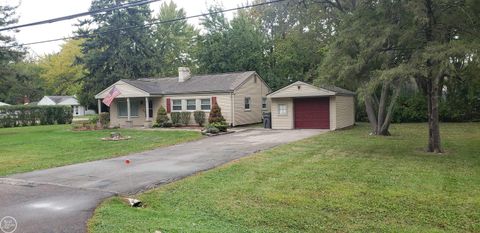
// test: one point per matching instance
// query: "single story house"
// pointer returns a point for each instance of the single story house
(77, 109)
(304, 106)
(4, 104)
(242, 97)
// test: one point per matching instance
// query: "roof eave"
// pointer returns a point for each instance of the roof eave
(297, 96)
(198, 92)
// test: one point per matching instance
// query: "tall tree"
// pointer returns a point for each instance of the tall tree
(428, 40)
(27, 82)
(9, 54)
(446, 33)
(174, 41)
(111, 54)
(296, 32)
(226, 46)
(61, 71)
(365, 56)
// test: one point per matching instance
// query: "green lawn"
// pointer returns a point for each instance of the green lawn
(344, 181)
(38, 147)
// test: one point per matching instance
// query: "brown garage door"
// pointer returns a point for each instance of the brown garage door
(312, 113)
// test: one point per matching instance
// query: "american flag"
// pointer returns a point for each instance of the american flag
(111, 95)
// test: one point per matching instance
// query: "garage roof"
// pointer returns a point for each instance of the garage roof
(301, 89)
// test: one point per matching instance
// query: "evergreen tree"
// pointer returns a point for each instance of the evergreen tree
(9, 54)
(216, 114)
(162, 116)
(363, 57)
(112, 54)
(381, 43)
(446, 42)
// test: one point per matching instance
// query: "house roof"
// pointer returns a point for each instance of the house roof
(59, 98)
(301, 89)
(226, 82)
(338, 90)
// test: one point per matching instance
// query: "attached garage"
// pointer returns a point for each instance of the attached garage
(304, 106)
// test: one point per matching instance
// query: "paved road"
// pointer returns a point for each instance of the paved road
(62, 199)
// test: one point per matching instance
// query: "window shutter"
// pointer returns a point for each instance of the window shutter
(169, 105)
(214, 100)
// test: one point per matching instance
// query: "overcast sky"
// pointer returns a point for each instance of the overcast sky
(36, 10)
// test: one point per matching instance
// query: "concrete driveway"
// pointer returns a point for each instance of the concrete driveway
(62, 199)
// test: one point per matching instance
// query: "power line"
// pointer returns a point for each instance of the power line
(68, 17)
(148, 24)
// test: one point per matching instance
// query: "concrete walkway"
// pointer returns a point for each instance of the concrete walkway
(62, 199)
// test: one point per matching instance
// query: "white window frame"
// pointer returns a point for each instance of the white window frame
(249, 102)
(264, 103)
(173, 105)
(280, 111)
(209, 104)
(132, 108)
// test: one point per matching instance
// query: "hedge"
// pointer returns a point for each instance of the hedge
(25, 115)
(413, 108)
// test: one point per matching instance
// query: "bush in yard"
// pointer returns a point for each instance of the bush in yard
(63, 116)
(185, 118)
(104, 119)
(221, 126)
(175, 117)
(410, 108)
(199, 117)
(162, 117)
(26, 115)
(212, 130)
(215, 114)
(94, 119)
(167, 124)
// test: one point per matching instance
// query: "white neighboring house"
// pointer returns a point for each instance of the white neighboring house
(72, 101)
(4, 104)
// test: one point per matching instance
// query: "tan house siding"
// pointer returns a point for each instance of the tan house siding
(282, 121)
(256, 89)
(223, 100)
(333, 113)
(341, 104)
(115, 120)
(344, 111)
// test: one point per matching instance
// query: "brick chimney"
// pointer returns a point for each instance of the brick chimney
(183, 74)
(26, 100)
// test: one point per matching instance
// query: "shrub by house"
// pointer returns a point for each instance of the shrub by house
(216, 119)
(162, 118)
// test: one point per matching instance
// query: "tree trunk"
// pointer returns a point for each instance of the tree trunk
(388, 119)
(382, 106)
(434, 144)
(370, 109)
(432, 86)
(381, 124)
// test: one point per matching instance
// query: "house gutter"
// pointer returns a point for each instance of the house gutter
(232, 108)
